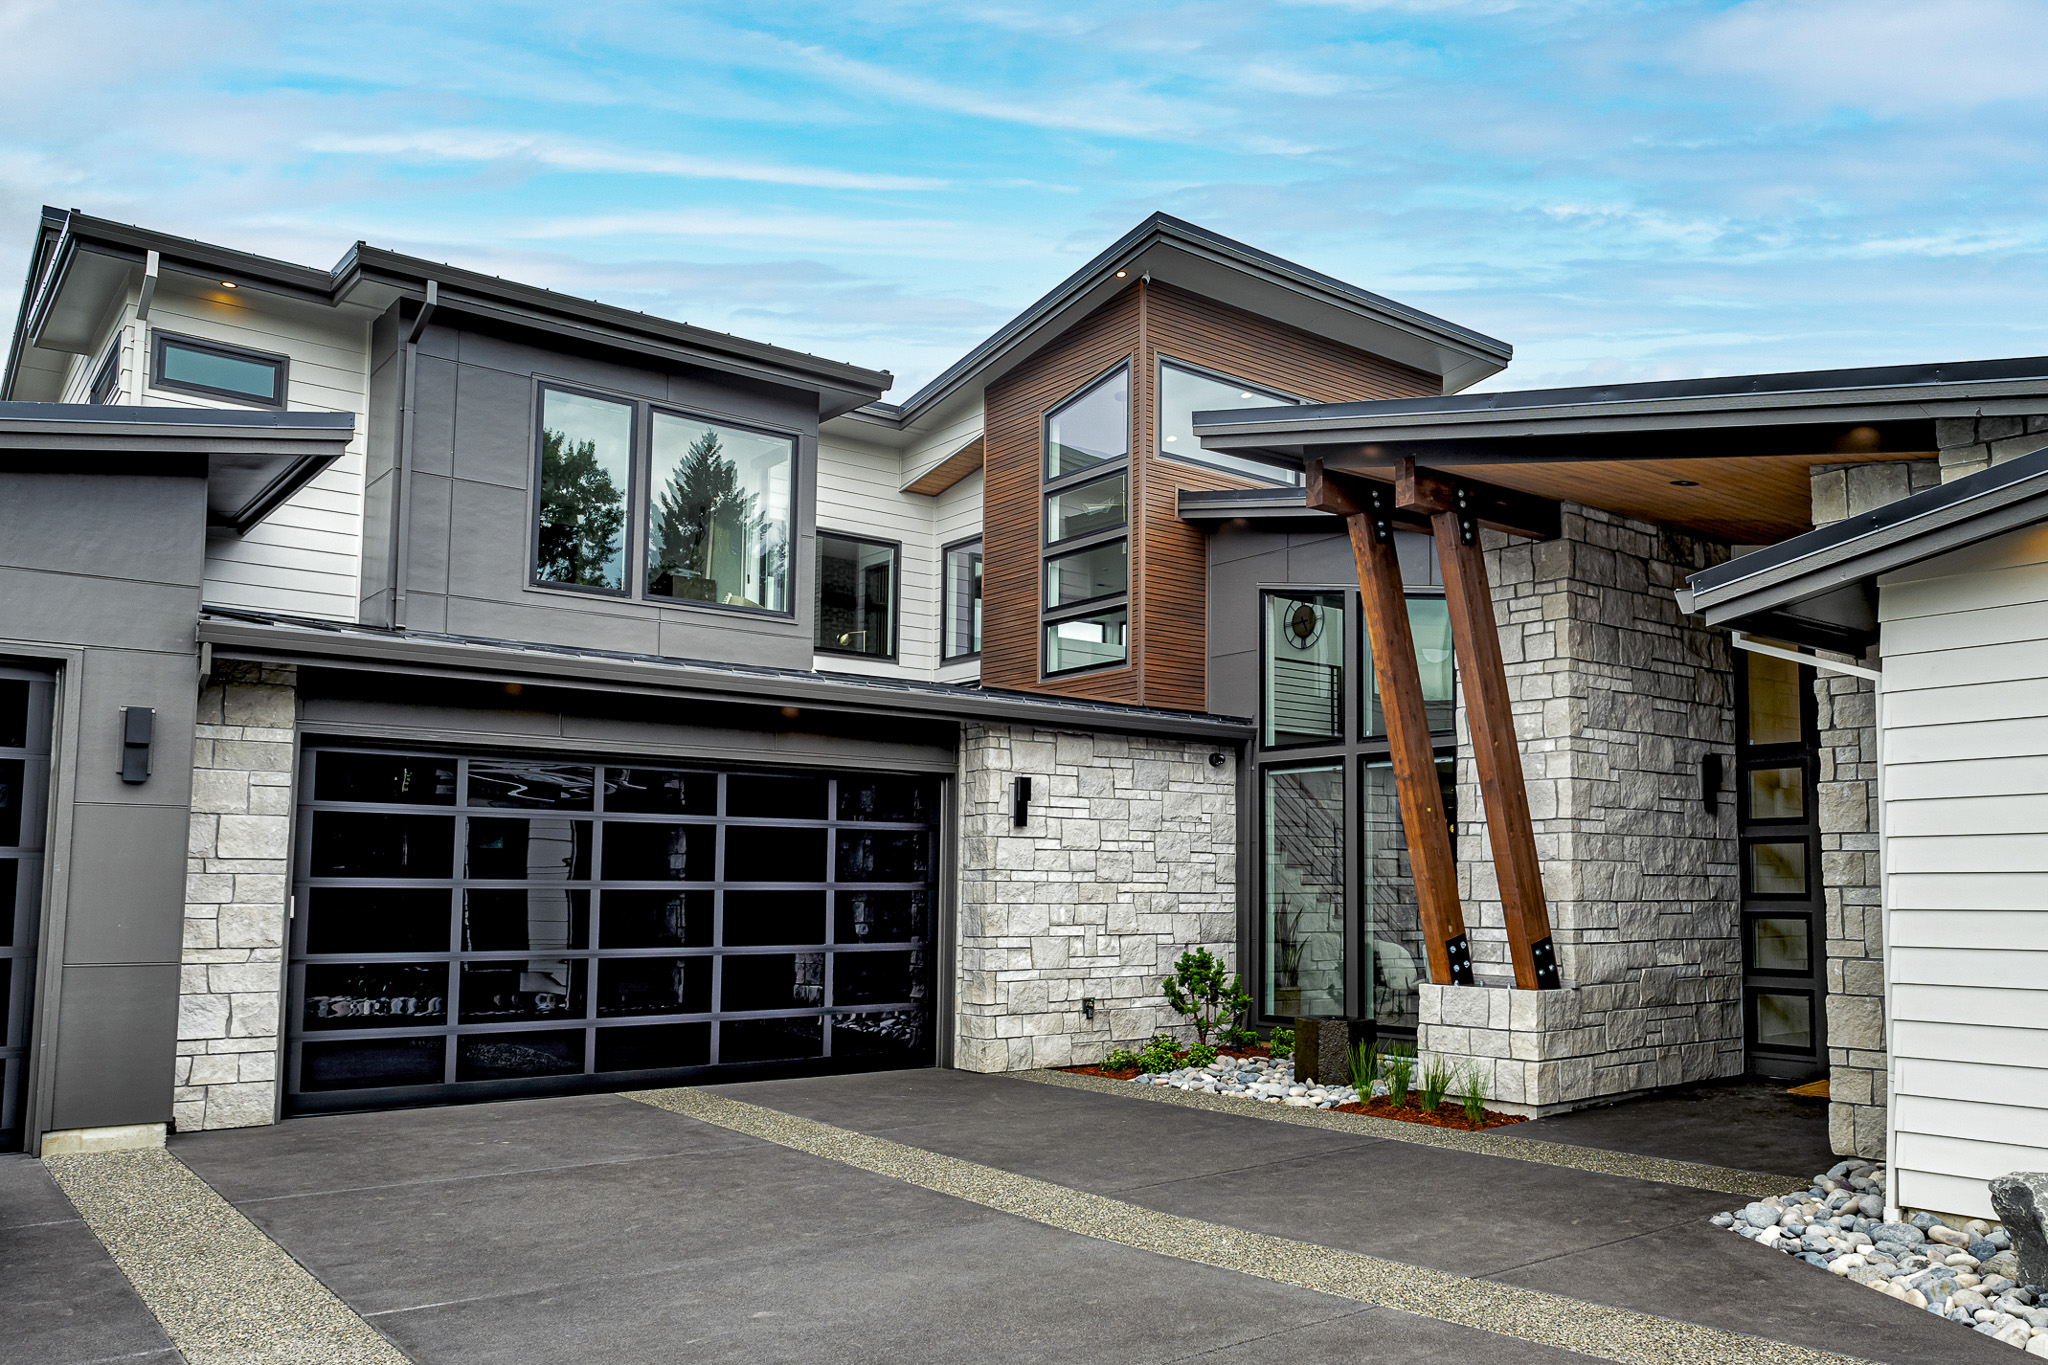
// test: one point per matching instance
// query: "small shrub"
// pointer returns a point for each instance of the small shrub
(1475, 1093)
(1163, 1053)
(1400, 1070)
(1201, 1054)
(1365, 1068)
(1238, 1036)
(1437, 1078)
(1203, 991)
(1280, 1042)
(1120, 1059)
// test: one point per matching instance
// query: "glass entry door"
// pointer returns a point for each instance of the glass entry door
(1779, 836)
(25, 710)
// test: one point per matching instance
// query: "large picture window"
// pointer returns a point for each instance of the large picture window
(856, 596)
(1092, 428)
(586, 467)
(1185, 391)
(720, 507)
(963, 601)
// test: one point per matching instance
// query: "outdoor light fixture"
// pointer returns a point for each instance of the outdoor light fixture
(138, 725)
(1087, 1007)
(1685, 483)
(1121, 273)
(1215, 760)
(1020, 801)
(229, 284)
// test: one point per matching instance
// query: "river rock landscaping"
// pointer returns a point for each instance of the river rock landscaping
(1264, 1079)
(1966, 1274)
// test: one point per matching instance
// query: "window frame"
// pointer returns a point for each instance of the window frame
(1160, 361)
(1345, 700)
(946, 553)
(634, 442)
(895, 548)
(643, 482)
(1046, 478)
(1102, 606)
(1083, 545)
(160, 340)
(1368, 680)
(1049, 487)
(107, 375)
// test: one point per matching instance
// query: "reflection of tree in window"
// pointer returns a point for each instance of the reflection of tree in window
(582, 515)
(704, 525)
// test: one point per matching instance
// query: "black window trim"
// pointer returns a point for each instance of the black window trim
(159, 339)
(1367, 679)
(1046, 478)
(1101, 606)
(945, 599)
(895, 548)
(1049, 486)
(541, 388)
(644, 482)
(1160, 361)
(109, 368)
(1051, 609)
(1347, 597)
(1122, 471)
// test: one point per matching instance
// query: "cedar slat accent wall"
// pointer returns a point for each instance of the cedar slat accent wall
(1169, 567)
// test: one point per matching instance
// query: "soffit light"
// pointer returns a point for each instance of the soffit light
(229, 284)
(1121, 273)
(1685, 483)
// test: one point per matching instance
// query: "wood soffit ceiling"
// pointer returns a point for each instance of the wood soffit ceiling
(1745, 500)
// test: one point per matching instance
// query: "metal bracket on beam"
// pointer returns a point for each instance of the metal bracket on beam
(1381, 514)
(1468, 525)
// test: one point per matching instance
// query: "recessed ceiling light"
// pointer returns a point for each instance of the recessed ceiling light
(1121, 273)
(1685, 483)
(229, 284)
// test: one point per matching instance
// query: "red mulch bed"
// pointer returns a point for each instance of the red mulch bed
(1446, 1115)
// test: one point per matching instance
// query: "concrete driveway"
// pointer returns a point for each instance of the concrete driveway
(944, 1217)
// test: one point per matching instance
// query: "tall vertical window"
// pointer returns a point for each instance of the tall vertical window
(106, 381)
(720, 506)
(1185, 391)
(856, 596)
(1303, 892)
(1086, 597)
(963, 601)
(1429, 623)
(1304, 670)
(586, 463)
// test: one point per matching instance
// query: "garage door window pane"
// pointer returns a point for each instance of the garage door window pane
(884, 855)
(528, 850)
(355, 919)
(653, 1046)
(529, 988)
(771, 918)
(881, 1034)
(371, 1064)
(357, 995)
(660, 791)
(758, 796)
(530, 786)
(770, 1040)
(384, 779)
(880, 916)
(903, 799)
(875, 978)
(755, 853)
(654, 985)
(522, 921)
(656, 919)
(659, 853)
(360, 844)
(517, 1056)
(772, 981)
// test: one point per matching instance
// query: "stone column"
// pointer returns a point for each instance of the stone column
(237, 883)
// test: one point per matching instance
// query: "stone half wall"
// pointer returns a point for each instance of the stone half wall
(1617, 697)
(1129, 859)
(237, 884)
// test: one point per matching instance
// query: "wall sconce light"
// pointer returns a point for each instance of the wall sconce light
(1087, 1007)
(138, 725)
(1710, 781)
(1020, 801)
(1215, 760)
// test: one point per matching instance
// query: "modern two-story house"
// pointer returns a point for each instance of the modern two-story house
(420, 686)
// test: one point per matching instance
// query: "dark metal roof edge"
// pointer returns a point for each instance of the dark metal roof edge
(1163, 225)
(49, 230)
(168, 420)
(1835, 549)
(1853, 384)
(274, 634)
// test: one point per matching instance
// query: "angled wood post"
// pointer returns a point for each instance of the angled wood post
(1368, 517)
(1454, 518)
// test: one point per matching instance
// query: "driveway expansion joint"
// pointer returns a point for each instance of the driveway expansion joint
(1546, 1319)
(1596, 1160)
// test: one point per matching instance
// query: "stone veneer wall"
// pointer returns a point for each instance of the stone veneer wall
(1129, 859)
(237, 882)
(1969, 444)
(1850, 869)
(1616, 697)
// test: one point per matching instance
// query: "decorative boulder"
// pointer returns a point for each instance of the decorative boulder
(1322, 1049)
(2022, 1203)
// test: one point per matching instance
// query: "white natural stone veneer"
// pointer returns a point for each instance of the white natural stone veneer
(1129, 860)
(230, 992)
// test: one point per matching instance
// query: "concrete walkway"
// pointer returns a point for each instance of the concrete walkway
(944, 1217)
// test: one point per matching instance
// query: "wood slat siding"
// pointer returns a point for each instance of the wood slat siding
(1169, 569)
(1965, 789)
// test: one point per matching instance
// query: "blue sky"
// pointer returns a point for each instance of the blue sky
(1623, 190)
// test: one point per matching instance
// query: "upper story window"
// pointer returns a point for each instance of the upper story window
(1085, 607)
(1429, 624)
(721, 508)
(856, 596)
(1304, 673)
(709, 504)
(963, 602)
(188, 365)
(106, 381)
(1184, 391)
(586, 474)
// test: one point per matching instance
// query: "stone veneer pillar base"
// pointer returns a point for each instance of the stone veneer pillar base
(237, 885)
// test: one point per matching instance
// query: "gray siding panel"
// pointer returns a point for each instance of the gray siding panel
(115, 1049)
(127, 902)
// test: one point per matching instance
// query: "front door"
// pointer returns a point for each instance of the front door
(25, 700)
(1776, 765)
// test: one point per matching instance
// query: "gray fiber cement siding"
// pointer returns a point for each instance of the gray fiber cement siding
(100, 576)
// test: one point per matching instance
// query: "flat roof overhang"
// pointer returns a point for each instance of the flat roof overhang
(1727, 458)
(329, 644)
(253, 461)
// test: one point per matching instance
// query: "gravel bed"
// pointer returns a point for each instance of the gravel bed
(1255, 1078)
(1966, 1274)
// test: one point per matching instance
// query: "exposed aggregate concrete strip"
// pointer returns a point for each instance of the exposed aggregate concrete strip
(225, 1293)
(1525, 1314)
(1499, 1142)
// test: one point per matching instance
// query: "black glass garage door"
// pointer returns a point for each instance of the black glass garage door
(25, 702)
(469, 927)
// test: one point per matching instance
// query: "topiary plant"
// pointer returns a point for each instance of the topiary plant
(1203, 991)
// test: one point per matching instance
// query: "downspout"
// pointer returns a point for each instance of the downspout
(401, 487)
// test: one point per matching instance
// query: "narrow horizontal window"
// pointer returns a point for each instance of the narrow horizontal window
(193, 366)
(856, 596)
(722, 504)
(586, 461)
(1092, 428)
(1084, 575)
(1183, 392)
(1087, 641)
(1098, 505)
(963, 601)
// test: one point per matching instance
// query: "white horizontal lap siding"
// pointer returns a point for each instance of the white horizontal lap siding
(305, 558)
(1965, 788)
(858, 493)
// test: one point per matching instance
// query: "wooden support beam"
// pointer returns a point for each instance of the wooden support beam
(1368, 511)
(1495, 751)
(1429, 491)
